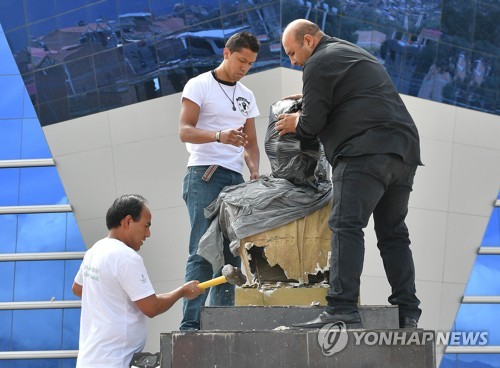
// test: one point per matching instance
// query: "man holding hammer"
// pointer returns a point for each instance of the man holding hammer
(116, 292)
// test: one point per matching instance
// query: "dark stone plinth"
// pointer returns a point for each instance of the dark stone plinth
(267, 318)
(298, 348)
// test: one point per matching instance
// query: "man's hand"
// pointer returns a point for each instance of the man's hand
(235, 137)
(190, 289)
(287, 123)
(292, 97)
(254, 175)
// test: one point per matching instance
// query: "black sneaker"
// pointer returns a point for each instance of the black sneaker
(352, 320)
(408, 322)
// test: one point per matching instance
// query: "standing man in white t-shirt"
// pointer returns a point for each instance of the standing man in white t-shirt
(217, 125)
(116, 292)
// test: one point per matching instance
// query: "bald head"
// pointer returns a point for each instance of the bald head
(300, 38)
(301, 27)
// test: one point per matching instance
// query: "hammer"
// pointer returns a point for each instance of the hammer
(230, 274)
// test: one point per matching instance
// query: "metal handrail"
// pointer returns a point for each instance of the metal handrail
(39, 162)
(9, 257)
(490, 349)
(493, 299)
(38, 354)
(35, 209)
(489, 250)
(51, 304)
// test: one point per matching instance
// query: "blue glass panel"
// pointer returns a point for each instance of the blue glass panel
(457, 21)
(39, 363)
(138, 7)
(41, 232)
(83, 104)
(71, 328)
(39, 280)
(88, 37)
(484, 276)
(199, 11)
(29, 82)
(492, 234)
(82, 76)
(8, 231)
(141, 58)
(426, 80)
(6, 281)
(18, 42)
(5, 330)
(234, 21)
(9, 187)
(177, 77)
(231, 7)
(469, 25)
(70, 272)
(68, 363)
(102, 10)
(12, 92)
(30, 327)
(28, 108)
(46, 41)
(39, 9)
(479, 317)
(265, 23)
(63, 6)
(7, 63)
(74, 240)
(51, 83)
(166, 10)
(11, 14)
(41, 185)
(110, 68)
(10, 131)
(34, 144)
(470, 361)
(53, 112)
(115, 96)
(72, 25)
(171, 51)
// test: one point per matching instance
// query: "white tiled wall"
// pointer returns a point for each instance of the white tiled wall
(136, 149)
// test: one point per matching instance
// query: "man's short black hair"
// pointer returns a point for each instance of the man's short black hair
(128, 204)
(243, 40)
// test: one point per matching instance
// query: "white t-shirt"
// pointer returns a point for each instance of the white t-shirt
(216, 113)
(112, 327)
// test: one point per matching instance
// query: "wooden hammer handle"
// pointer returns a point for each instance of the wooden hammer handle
(214, 282)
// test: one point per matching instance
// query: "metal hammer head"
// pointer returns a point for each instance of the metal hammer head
(233, 275)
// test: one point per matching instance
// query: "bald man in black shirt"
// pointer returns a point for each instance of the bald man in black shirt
(350, 103)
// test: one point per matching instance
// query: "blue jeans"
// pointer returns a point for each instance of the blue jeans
(380, 185)
(198, 194)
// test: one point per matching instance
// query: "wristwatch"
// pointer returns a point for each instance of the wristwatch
(217, 136)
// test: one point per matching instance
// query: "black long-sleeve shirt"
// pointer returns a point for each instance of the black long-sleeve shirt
(351, 104)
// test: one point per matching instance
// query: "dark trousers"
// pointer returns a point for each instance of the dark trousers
(380, 185)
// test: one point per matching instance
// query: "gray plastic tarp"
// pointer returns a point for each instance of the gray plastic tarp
(298, 186)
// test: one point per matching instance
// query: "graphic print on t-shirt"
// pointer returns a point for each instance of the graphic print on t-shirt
(243, 104)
